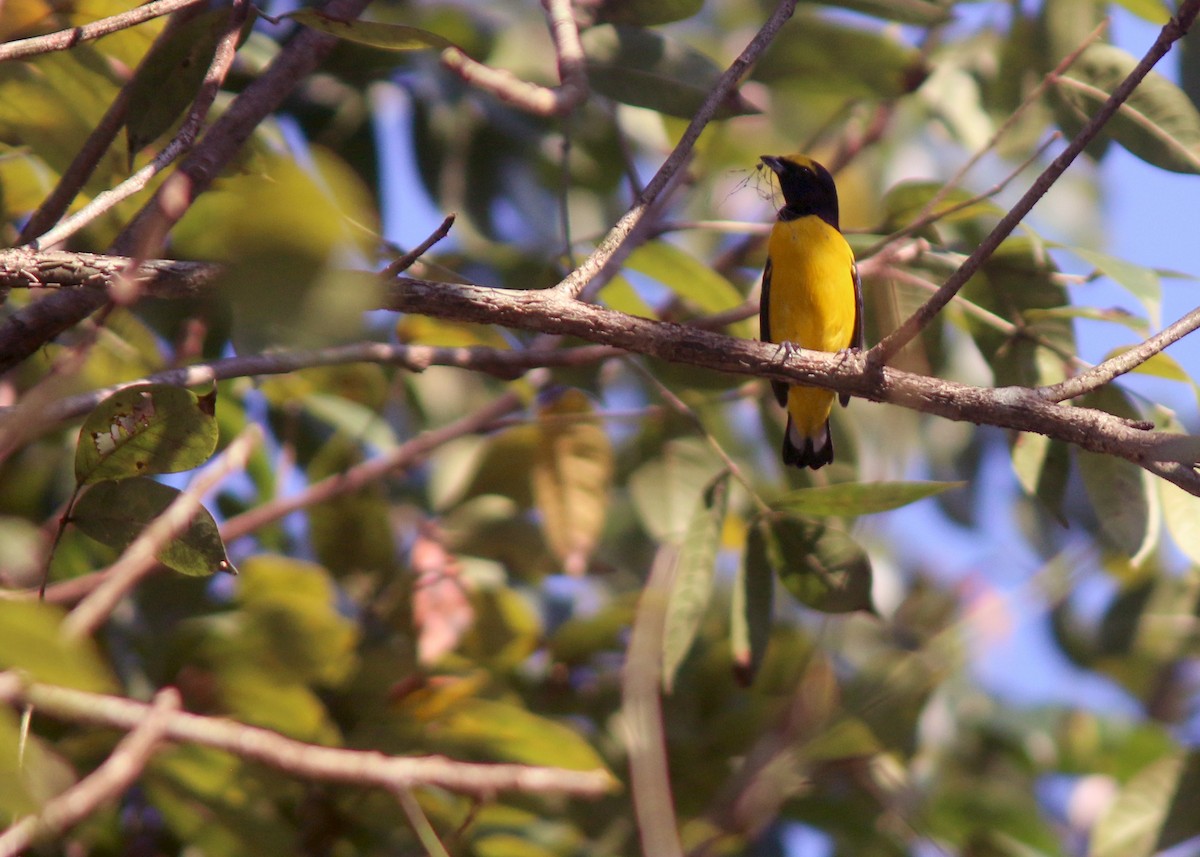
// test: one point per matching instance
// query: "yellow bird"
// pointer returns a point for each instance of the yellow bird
(811, 297)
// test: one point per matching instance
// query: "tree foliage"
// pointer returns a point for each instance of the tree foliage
(354, 540)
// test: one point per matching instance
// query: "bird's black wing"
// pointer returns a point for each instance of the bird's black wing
(856, 338)
(764, 329)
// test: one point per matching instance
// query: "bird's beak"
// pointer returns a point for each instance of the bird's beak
(776, 164)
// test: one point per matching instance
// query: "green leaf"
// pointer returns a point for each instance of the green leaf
(167, 81)
(645, 69)
(752, 607)
(646, 13)
(1018, 278)
(695, 568)
(1141, 282)
(144, 430)
(116, 513)
(1134, 822)
(919, 13)
(821, 567)
(1181, 512)
(1115, 486)
(497, 731)
(848, 499)
(664, 489)
(906, 202)
(687, 277)
(1182, 822)
(1158, 124)
(390, 37)
(1154, 11)
(15, 799)
(572, 477)
(1042, 467)
(350, 531)
(812, 52)
(293, 619)
(30, 641)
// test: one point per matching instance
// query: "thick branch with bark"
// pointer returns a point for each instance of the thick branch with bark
(550, 311)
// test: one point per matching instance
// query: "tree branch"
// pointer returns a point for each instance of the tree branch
(1017, 408)
(182, 141)
(539, 100)
(1171, 32)
(69, 38)
(111, 779)
(575, 283)
(27, 330)
(1127, 361)
(329, 764)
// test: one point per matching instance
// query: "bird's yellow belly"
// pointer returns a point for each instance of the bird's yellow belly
(812, 303)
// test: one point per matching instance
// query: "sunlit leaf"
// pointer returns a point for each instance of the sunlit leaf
(1133, 824)
(1141, 282)
(572, 474)
(292, 616)
(497, 731)
(505, 630)
(144, 430)
(1181, 511)
(391, 37)
(907, 201)
(687, 277)
(1158, 123)
(116, 513)
(646, 69)
(30, 641)
(848, 499)
(695, 568)
(1154, 11)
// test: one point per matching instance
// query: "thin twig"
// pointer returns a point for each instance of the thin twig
(1027, 102)
(1127, 361)
(502, 363)
(928, 216)
(329, 764)
(539, 100)
(64, 39)
(28, 329)
(419, 822)
(406, 261)
(1171, 32)
(575, 283)
(111, 779)
(139, 559)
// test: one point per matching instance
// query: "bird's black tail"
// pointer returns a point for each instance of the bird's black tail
(812, 452)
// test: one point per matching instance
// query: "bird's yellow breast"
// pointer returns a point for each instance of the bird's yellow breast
(811, 299)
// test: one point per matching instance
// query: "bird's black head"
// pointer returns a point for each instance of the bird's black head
(807, 187)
